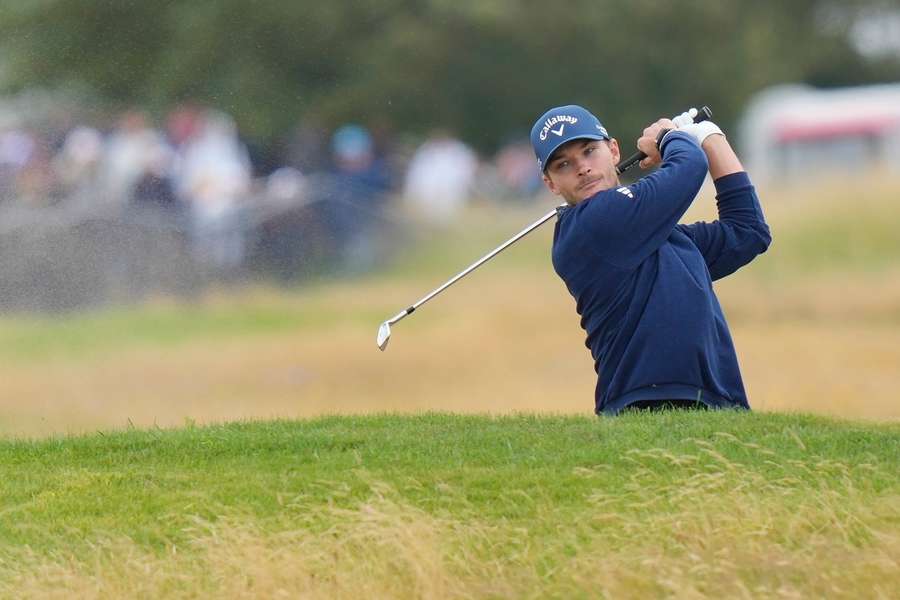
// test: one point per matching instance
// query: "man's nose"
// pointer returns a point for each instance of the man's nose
(583, 167)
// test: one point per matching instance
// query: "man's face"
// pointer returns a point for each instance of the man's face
(581, 168)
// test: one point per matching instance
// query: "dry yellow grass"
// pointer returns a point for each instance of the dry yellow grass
(505, 339)
(500, 344)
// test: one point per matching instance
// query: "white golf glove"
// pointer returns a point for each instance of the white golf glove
(685, 118)
(700, 131)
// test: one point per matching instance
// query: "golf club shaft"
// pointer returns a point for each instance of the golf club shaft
(703, 114)
(479, 262)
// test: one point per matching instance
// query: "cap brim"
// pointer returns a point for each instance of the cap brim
(564, 142)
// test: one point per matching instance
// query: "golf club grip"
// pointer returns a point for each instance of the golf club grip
(703, 114)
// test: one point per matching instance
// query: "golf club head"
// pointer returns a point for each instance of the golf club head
(384, 335)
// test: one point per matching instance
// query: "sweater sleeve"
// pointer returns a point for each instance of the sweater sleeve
(740, 233)
(625, 225)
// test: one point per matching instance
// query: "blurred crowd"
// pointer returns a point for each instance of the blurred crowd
(317, 191)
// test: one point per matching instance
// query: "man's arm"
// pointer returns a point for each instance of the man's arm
(722, 159)
(740, 233)
(627, 224)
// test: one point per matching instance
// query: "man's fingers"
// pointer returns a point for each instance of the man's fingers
(685, 118)
(647, 145)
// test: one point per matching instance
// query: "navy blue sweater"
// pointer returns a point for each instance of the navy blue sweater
(643, 283)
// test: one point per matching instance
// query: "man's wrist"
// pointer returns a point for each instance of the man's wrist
(661, 136)
(705, 129)
(664, 138)
(731, 181)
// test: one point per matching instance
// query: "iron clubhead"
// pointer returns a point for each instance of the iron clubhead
(384, 335)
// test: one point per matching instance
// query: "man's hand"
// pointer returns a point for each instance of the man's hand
(647, 142)
(702, 130)
(685, 118)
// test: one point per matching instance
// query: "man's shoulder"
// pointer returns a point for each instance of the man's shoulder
(578, 247)
(592, 215)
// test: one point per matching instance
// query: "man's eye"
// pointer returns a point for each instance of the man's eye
(589, 149)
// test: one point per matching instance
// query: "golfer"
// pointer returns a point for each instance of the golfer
(643, 283)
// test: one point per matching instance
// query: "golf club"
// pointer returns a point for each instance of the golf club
(704, 114)
(384, 331)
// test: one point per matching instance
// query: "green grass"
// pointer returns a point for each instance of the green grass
(36, 338)
(673, 504)
(33, 338)
(512, 506)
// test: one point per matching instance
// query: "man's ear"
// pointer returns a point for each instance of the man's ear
(550, 185)
(614, 150)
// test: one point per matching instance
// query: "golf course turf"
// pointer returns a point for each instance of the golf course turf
(439, 505)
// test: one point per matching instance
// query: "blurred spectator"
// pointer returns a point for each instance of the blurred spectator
(440, 176)
(360, 187)
(17, 147)
(35, 183)
(213, 177)
(355, 159)
(182, 124)
(132, 143)
(285, 184)
(322, 206)
(516, 169)
(154, 193)
(306, 149)
(77, 165)
(389, 152)
(288, 228)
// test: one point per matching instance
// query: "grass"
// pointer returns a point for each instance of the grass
(437, 505)
(817, 229)
(121, 480)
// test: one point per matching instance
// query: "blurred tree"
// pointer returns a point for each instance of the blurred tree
(484, 68)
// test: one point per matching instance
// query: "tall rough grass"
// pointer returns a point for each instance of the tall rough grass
(788, 529)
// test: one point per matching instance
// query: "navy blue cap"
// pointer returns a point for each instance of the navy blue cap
(563, 124)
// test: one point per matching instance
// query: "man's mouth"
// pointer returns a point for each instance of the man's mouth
(587, 184)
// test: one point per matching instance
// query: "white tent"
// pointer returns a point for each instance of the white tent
(798, 131)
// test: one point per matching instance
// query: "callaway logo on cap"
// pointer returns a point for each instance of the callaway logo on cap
(563, 124)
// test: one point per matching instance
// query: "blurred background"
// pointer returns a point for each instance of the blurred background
(207, 207)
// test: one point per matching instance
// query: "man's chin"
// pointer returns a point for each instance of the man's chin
(591, 189)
